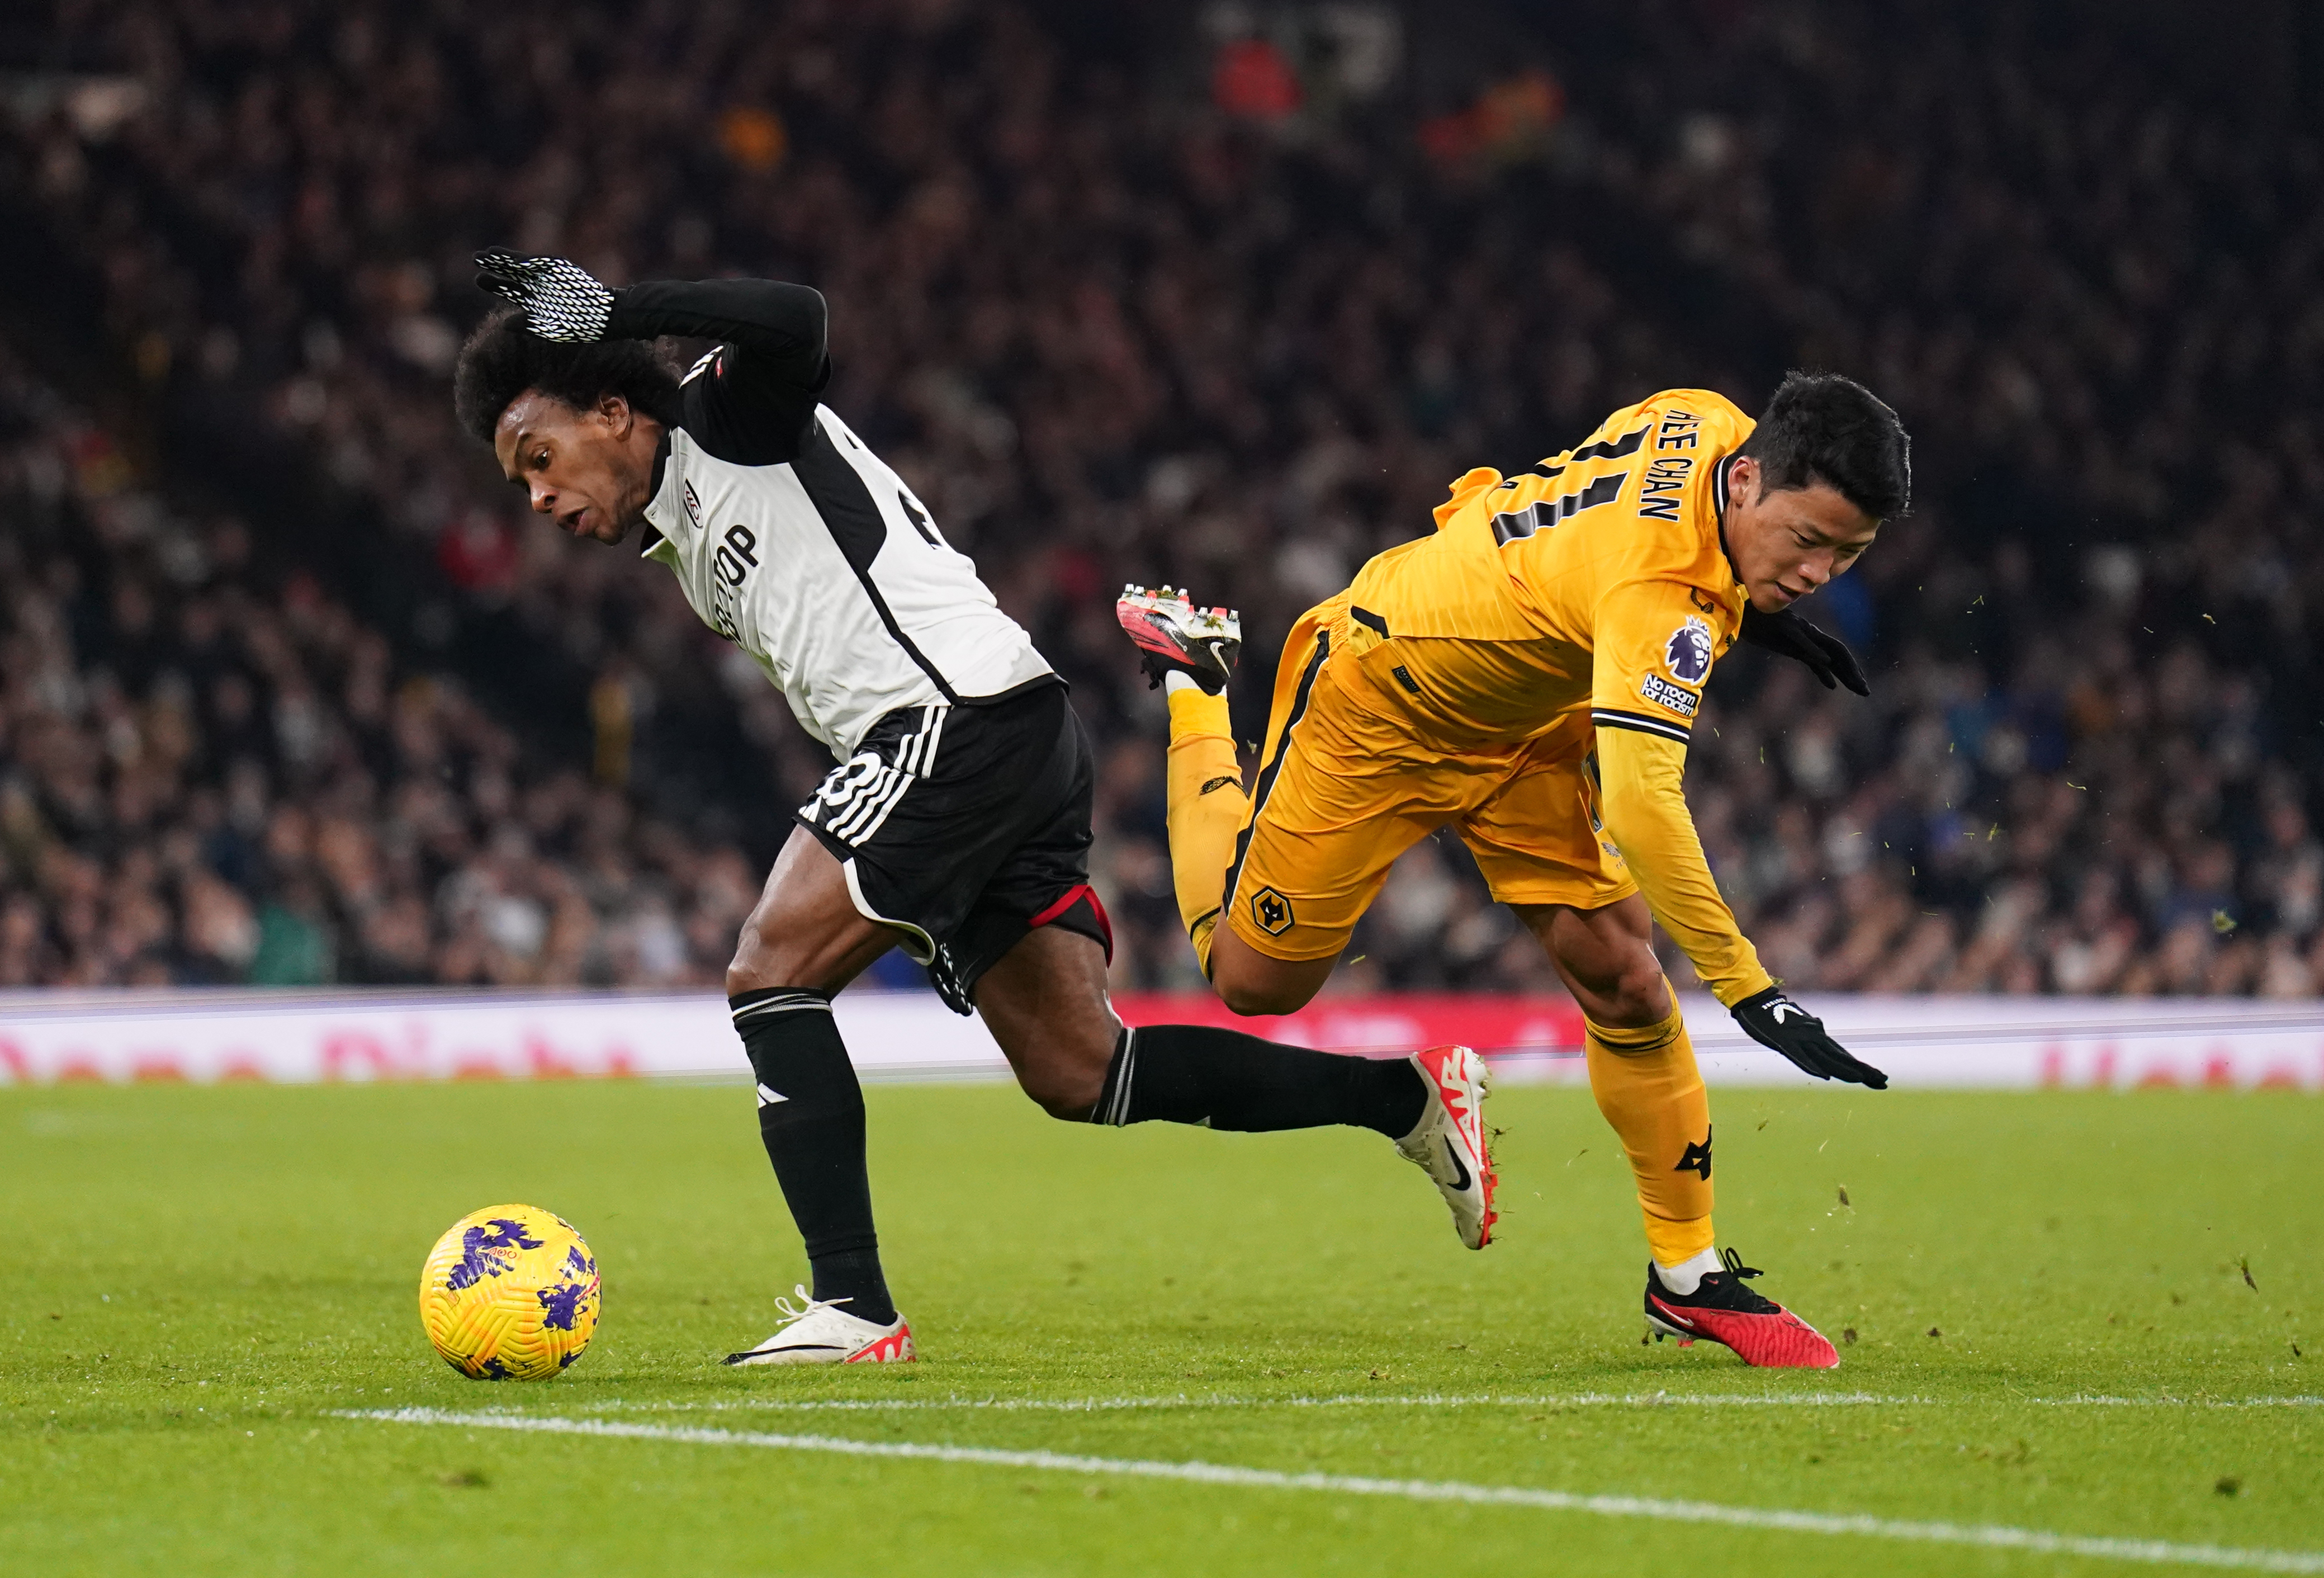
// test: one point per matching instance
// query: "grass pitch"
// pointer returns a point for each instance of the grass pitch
(200, 1284)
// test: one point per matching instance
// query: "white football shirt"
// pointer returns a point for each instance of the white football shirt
(792, 540)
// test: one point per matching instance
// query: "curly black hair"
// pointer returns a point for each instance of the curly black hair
(503, 358)
(1820, 427)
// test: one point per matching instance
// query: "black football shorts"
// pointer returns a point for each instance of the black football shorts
(964, 827)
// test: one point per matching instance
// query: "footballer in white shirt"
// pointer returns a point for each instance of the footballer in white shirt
(957, 823)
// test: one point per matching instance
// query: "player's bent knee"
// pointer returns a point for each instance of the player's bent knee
(1060, 1067)
(747, 971)
(1251, 983)
(744, 973)
(1264, 997)
(1067, 1090)
(760, 963)
(1068, 1103)
(1638, 996)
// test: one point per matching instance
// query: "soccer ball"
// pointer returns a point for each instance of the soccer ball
(510, 1293)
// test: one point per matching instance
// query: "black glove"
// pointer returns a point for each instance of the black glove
(1826, 656)
(1773, 1019)
(561, 300)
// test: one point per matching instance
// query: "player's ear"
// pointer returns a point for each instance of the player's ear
(615, 413)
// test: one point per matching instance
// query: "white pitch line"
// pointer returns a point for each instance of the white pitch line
(1218, 1400)
(1429, 1400)
(2106, 1402)
(1989, 1536)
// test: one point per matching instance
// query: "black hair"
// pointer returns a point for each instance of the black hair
(1820, 427)
(503, 358)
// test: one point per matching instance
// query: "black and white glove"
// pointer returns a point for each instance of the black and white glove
(1826, 656)
(561, 300)
(1773, 1019)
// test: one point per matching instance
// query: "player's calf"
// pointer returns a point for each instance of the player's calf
(811, 1121)
(1044, 1003)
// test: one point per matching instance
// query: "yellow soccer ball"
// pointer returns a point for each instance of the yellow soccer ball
(510, 1293)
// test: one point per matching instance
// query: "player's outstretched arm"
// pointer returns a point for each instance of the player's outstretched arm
(783, 320)
(563, 301)
(1642, 778)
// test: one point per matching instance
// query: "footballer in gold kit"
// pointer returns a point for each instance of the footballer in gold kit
(1529, 675)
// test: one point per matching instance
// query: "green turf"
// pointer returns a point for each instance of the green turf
(192, 1280)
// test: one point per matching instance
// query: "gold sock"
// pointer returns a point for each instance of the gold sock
(1207, 809)
(1649, 1089)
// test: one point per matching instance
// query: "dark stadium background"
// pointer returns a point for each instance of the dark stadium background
(292, 691)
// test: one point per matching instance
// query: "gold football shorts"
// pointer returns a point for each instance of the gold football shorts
(1348, 781)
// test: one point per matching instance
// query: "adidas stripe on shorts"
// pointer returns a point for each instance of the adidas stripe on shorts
(964, 827)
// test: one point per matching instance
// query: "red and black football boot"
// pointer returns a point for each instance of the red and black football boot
(1171, 633)
(1720, 1309)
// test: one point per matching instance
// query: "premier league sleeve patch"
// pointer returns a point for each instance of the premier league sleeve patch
(1687, 653)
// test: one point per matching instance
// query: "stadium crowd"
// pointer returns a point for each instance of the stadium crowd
(214, 774)
(1112, 332)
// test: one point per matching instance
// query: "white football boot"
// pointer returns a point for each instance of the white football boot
(824, 1334)
(1449, 1142)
